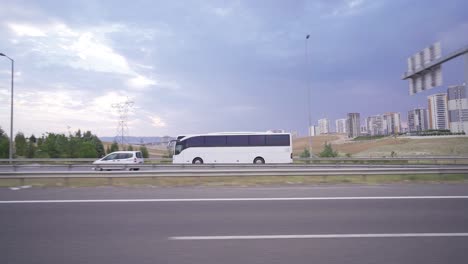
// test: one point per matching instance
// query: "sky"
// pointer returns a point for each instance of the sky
(211, 66)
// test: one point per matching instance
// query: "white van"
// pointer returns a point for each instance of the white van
(115, 159)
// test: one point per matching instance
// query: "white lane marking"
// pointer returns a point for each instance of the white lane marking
(236, 199)
(321, 236)
(20, 187)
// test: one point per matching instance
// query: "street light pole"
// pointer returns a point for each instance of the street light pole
(10, 156)
(308, 95)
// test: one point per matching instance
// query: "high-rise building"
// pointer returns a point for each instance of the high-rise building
(313, 131)
(323, 126)
(391, 123)
(438, 111)
(458, 108)
(364, 131)
(353, 125)
(340, 125)
(374, 125)
(417, 120)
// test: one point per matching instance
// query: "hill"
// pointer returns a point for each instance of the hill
(402, 146)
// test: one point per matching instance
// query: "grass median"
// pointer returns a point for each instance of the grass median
(240, 181)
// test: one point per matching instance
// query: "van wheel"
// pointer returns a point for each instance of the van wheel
(197, 161)
(259, 160)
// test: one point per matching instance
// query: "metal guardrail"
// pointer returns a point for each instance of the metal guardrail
(22, 176)
(89, 167)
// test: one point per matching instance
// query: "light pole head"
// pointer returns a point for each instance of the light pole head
(1, 54)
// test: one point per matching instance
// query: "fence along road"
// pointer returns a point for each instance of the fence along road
(252, 171)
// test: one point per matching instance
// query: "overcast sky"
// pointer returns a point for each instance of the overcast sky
(209, 66)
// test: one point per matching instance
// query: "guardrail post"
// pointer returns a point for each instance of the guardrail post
(22, 181)
(66, 181)
(69, 167)
(14, 167)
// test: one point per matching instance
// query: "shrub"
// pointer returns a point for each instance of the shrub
(328, 152)
(305, 154)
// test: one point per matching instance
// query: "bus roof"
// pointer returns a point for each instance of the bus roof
(232, 134)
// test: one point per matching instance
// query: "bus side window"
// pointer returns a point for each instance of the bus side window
(195, 142)
(237, 141)
(277, 140)
(257, 140)
(215, 141)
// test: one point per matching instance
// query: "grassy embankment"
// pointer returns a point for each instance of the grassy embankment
(239, 181)
(383, 147)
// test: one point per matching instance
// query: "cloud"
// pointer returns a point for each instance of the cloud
(87, 49)
(354, 3)
(241, 109)
(221, 12)
(79, 49)
(26, 30)
(94, 55)
(156, 121)
(140, 82)
(38, 111)
(4, 95)
(352, 7)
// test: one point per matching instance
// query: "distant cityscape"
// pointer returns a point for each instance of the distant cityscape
(445, 111)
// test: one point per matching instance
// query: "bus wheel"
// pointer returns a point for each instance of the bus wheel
(259, 161)
(197, 161)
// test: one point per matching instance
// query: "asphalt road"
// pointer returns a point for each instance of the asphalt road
(65, 229)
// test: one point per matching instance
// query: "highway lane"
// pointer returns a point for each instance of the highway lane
(141, 232)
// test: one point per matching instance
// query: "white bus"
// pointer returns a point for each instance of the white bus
(241, 147)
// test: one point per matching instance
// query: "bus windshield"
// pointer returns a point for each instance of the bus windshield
(178, 148)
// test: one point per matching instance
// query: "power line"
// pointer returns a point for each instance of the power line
(123, 108)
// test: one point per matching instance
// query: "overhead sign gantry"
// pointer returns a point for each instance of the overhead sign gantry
(425, 67)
